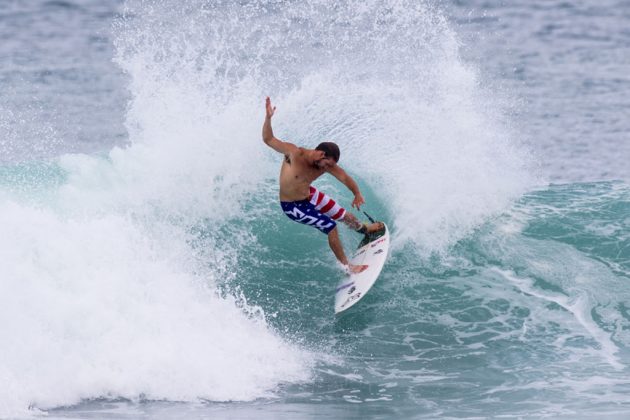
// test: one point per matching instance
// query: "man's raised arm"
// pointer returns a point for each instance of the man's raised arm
(267, 133)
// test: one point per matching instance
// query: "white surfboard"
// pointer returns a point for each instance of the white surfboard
(373, 251)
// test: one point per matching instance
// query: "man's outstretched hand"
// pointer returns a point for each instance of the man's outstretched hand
(270, 109)
(358, 201)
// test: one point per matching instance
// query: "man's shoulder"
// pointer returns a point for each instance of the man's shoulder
(299, 150)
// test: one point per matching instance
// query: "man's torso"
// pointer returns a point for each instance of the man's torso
(296, 176)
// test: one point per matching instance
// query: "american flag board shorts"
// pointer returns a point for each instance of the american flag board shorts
(319, 211)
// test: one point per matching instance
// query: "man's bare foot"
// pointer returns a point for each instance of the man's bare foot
(355, 269)
(374, 227)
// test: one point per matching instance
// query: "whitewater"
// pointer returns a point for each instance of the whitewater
(148, 271)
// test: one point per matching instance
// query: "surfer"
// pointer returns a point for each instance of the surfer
(302, 202)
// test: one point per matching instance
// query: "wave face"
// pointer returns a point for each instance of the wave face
(527, 316)
(163, 272)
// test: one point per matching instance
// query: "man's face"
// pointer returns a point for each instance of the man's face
(325, 162)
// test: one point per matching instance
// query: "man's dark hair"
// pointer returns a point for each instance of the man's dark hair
(330, 149)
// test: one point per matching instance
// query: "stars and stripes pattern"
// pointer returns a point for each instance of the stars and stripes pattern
(325, 205)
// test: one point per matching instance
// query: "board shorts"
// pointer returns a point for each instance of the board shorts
(318, 210)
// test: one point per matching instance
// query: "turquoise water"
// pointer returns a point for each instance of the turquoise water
(526, 316)
(149, 271)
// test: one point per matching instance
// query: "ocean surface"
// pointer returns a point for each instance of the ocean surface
(147, 270)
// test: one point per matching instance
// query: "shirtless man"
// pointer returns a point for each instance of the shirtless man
(302, 202)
